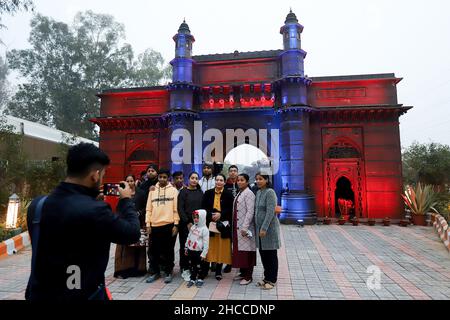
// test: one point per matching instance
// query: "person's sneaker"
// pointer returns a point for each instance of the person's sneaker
(227, 268)
(153, 278)
(186, 275)
(168, 278)
(190, 283)
(199, 283)
(245, 282)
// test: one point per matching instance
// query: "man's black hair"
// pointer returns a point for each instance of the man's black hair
(164, 171)
(143, 173)
(83, 158)
(208, 165)
(153, 166)
(233, 166)
(177, 174)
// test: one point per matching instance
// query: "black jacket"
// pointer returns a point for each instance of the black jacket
(77, 230)
(232, 187)
(145, 186)
(226, 205)
(188, 202)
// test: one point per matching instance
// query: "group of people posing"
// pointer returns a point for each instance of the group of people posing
(220, 223)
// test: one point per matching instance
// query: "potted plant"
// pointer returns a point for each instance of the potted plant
(355, 221)
(386, 222)
(327, 220)
(342, 220)
(420, 201)
(404, 223)
(371, 222)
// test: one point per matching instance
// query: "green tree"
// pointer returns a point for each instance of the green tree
(27, 178)
(4, 86)
(68, 65)
(150, 68)
(13, 6)
(429, 164)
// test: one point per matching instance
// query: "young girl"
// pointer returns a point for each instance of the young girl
(189, 200)
(196, 248)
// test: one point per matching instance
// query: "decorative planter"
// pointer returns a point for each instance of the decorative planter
(327, 221)
(419, 219)
(341, 222)
(355, 221)
(371, 222)
(386, 222)
(404, 223)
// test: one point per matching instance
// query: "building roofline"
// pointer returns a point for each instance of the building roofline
(124, 90)
(42, 132)
(375, 76)
(237, 55)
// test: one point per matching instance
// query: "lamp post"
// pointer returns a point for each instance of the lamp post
(13, 212)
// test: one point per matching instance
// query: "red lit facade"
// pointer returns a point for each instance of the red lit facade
(350, 127)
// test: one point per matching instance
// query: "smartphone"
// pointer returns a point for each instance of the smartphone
(112, 189)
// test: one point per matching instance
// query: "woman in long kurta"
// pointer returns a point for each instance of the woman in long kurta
(130, 261)
(218, 204)
(244, 246)
(268, 230)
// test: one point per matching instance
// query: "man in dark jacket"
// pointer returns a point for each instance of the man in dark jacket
(146, 187)
(152, 180)
(76, 231)
(231, 184)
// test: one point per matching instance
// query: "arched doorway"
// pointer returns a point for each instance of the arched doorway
(249, 160)
(344, 178)
(344, 198)
(141, 150)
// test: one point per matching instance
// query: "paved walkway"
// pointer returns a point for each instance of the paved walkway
(316, 262)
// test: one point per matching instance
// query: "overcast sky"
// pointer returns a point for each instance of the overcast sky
(407, 37)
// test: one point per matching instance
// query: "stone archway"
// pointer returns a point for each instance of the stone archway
(343, 160)
(141, 150)
(249, 159)
(258, 132)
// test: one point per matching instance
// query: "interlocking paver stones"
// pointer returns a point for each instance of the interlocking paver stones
(315, 262)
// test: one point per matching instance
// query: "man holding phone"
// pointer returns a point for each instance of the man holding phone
(71, 240)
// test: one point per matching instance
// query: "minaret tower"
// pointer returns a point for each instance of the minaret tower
(182, 90)
(293, 114)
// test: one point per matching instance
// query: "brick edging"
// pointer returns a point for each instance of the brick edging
(442, 229)
(14, 244)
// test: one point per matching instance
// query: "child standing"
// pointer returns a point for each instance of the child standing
(196, 248)
(162, 226)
